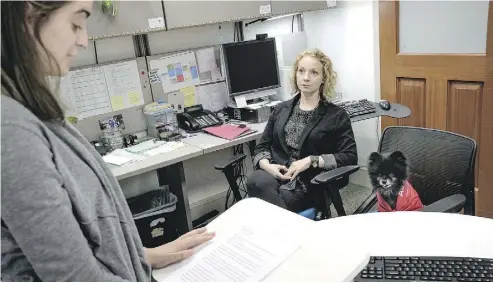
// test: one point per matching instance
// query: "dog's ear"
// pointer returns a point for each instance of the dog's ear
(374, 158)
(398, 157)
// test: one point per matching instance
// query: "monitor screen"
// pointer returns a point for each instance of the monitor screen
(251, 66)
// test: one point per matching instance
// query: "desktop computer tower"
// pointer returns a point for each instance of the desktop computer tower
(258, 115)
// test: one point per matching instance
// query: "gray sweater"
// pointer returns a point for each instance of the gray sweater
(64, 216)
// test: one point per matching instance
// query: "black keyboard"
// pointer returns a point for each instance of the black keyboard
(451, 269)
(358, 108)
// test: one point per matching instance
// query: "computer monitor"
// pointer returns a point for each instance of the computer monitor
(251, 66)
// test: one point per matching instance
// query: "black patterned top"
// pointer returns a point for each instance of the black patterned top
(294, 128)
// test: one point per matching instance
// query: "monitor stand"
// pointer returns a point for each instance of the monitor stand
(241, 101)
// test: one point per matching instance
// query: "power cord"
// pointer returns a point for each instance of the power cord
(240, 177)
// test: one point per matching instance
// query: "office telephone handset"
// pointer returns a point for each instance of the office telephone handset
(196, 118)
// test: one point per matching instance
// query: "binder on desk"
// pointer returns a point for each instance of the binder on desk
(229, 132)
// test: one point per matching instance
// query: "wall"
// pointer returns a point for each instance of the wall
(348, 34)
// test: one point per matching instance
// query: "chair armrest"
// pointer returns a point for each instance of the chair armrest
(369, 202)
(231, 162)
(334, 174)
(453, 203)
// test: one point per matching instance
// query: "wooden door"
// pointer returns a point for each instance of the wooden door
(452, 92)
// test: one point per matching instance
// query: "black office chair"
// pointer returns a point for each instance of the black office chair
(441, 167)
(329, 183)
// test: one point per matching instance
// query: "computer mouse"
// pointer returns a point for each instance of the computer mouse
(384, 104)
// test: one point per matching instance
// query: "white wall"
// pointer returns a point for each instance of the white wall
(348, 34)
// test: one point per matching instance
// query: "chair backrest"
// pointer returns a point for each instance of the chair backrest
(441, 163)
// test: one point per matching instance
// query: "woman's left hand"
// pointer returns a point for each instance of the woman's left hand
(297, 167)
(179, 249)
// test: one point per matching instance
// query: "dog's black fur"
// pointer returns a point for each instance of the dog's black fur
(387, 174)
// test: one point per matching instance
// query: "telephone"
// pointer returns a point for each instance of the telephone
(195, 118)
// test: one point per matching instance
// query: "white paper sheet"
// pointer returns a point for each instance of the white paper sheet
(116, 160)
(87, 91)
(124, 87)
(247, 256)
(213, 97)
(102, 89)
(167, 147)
(206, 60)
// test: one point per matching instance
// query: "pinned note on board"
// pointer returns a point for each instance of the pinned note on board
(265, 9)
(134, 98)
(156, 22)
(188, 95)
(117, 103)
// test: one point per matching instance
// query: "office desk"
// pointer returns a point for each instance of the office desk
(155, 162)
(169, 169)
(210, 143)
(337, 249)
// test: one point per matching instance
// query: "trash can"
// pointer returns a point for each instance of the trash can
(155, 216)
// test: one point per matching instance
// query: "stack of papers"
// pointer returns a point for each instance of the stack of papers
(248, 255)
(227, 131)
(121, 156)
(140, 151)
(167, 147)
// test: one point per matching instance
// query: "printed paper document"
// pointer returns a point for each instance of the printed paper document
(248, 255)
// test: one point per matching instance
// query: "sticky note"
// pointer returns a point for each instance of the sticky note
(194, 71)
(134, 98)
(189, 95)
(117, 103)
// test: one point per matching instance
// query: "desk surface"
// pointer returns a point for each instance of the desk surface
(337, 249)
(197, 145)
(155, 162)
(210, 143)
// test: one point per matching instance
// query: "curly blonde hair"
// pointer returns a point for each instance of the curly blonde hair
(327, 89)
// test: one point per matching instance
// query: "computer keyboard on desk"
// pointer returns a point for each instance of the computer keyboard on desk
(451, 269)
(357, 108)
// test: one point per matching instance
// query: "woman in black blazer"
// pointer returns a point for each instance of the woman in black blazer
(303, 137)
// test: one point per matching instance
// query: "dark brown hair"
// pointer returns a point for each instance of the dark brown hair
(23, 78)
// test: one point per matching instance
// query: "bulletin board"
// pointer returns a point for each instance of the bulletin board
(189, 77)
(100, 91)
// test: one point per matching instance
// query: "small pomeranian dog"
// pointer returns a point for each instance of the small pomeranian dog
(388, 175)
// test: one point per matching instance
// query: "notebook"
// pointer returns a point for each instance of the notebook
(227, 131)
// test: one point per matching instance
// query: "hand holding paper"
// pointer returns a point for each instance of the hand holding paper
(179, 249)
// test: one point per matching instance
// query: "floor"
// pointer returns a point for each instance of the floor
(352, 197)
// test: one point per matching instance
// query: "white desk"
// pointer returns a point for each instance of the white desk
(210, 143)
(337, 249)
(155, 162)
(169, 165)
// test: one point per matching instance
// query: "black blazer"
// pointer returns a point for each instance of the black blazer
(329, 131)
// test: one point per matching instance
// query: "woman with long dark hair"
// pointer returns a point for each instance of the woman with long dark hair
(64, 216)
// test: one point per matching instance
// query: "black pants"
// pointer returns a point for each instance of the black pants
(265, 186)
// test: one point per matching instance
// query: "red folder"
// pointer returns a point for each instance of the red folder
(227, 131)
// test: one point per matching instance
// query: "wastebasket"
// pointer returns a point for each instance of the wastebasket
(155, 216)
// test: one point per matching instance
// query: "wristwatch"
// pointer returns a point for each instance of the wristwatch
(314, 161)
